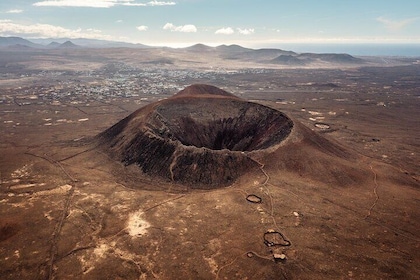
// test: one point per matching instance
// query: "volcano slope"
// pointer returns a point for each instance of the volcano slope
(201, 137)
(205, 138)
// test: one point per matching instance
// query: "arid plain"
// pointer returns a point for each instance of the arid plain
(337, 199)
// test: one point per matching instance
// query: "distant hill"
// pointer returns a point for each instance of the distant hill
(225, 52)
(90, 43)
(17, 41)
(236, 52)
(288, 60)
(331, 57)
(232, 49)
(199, 48)
(273, 56)
(68, 45)
(53, 45)
(274, 52)
(258, 55)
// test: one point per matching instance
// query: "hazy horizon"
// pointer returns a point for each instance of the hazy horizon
(356, 49)
(178, 23)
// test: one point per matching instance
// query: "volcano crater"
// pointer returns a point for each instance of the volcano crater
(234, 125)
(201, 137)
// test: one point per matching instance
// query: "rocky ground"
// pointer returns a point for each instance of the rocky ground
(336, 202)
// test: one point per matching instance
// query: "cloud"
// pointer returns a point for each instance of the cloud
(230, 30)
(78, 3)
(94, 30)
(189, 28)
(100, 3)
(10, 28)
(151, 3)
(225, 31)
(119, 21)
(14, 11)
(246, 31)
(160, 3)
(142, 28)
(396, 25)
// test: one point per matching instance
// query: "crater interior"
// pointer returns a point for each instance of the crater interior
(220, 124)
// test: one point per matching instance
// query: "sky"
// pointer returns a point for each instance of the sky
(251, 23)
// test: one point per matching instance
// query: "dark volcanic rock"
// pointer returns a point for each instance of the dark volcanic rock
(200, 137)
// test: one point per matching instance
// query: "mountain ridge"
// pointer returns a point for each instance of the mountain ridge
(266, 56)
